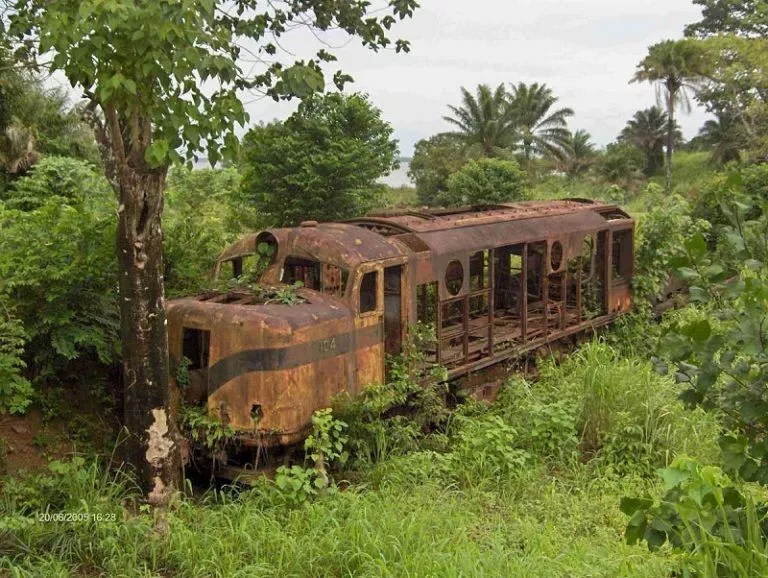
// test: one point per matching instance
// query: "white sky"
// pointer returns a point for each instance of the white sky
(585, 50)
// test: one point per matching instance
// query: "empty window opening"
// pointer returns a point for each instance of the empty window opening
(556, 256)
(507, 295)
(454, 277)
(426, 303)
(329, 279)
(479, 265)
(304, 271)
(196, 345)
(334, 280)
(256, 413)
(536, 287)
(621, 261)
(588, 256)
(368, 292)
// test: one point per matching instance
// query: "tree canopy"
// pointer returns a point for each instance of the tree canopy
(322, 163)
(434, 160)
(542, 131)
(485, 121)
(485, 181)
(675, 66)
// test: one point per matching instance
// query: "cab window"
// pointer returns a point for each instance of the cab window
(322, 277)
(368, 292)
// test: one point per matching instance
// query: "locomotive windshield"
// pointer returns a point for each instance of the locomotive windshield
(313, 274)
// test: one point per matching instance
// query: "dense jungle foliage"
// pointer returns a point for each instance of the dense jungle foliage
(642, 453)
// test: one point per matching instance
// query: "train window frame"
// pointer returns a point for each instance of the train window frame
(196, 347)
(622, 261)
(377, 304)
(454, 283)
(321, 273)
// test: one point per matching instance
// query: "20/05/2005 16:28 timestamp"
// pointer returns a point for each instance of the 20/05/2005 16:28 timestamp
(74, 517)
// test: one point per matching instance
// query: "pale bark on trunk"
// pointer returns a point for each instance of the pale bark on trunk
(152, 445)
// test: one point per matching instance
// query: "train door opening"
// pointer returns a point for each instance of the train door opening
(537, 289)
(393, 310)
(508, 296)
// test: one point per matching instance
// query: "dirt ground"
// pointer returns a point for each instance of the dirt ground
(28, 443)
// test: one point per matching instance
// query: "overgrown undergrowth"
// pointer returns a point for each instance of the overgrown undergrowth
(529, 486)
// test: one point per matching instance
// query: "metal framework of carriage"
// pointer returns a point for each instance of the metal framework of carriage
(494, 281)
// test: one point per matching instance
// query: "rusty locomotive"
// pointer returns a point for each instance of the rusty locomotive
(495, 281)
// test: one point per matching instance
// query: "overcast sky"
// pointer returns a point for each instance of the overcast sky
(585, 50)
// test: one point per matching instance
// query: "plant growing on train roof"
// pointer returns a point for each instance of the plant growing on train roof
(162, 79)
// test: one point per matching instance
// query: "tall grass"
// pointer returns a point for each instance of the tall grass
(510, 493)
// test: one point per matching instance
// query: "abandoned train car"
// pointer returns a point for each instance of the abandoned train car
(495, 281)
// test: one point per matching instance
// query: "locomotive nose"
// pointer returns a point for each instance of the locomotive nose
(261, 368)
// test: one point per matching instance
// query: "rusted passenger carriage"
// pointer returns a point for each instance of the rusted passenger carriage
(495, 281)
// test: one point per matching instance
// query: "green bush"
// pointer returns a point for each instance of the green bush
(58, 268)
(15, 390)
(61, 179)
(485, 181)
(705, 515)
(660, 238)
(200, 221)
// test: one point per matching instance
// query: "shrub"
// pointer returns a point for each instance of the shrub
(15, 390)
(66, 180)
(660, 239)
(485, 181)
(58, 267)
(704, 514)
(485, 450)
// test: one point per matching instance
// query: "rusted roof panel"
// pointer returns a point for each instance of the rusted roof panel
(343, 245)
(339, 244)
(422, 222)
(497, 234)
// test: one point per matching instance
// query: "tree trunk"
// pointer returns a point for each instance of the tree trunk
(152, 446)
(670, 138)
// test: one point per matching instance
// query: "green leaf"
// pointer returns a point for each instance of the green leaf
(688, 274)
(636, 528)
(698, 330)
(157, 152)
(673, 477)
(630, 506)
(697, 246)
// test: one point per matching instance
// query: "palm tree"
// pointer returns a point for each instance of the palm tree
(580, 154)
(484, 121)
(542, 131)
(647, 131)
(723, 138)
(675, 66)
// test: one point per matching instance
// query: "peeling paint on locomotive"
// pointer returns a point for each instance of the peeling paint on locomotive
(495, 281)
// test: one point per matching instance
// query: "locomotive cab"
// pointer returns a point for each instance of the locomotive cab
(331, 304)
